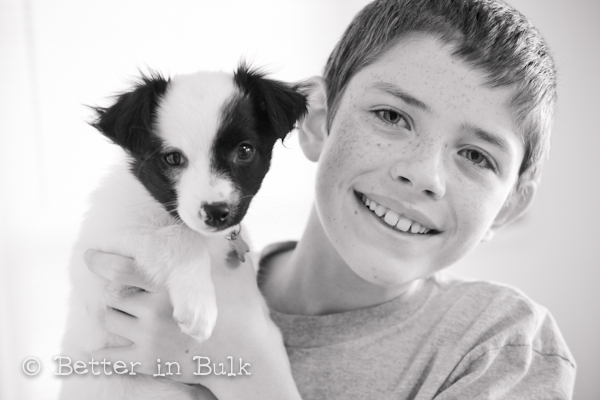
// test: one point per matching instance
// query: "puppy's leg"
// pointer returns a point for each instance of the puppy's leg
(177, 257)
(193, 296)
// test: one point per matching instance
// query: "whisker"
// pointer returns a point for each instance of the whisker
(266, 214)
(273, 201)
(140, 204)
(255, 223)
(245, 197)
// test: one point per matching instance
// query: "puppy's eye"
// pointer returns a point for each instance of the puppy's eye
(173, 158)
(245, 151)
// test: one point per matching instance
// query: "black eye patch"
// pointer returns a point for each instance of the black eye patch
(241, 149)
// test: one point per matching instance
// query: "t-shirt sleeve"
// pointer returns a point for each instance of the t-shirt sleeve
(513, 372)
(527, 365)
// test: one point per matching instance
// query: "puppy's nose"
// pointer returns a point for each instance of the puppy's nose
(216, 214)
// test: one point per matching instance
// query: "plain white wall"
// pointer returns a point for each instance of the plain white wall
(57, 56)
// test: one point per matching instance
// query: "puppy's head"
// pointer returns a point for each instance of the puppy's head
(201, 144)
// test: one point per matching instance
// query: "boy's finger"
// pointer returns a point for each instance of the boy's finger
(117, 269)
(142, 304)
(120, 324)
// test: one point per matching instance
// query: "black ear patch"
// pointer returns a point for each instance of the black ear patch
(277, 104)
(128, 122)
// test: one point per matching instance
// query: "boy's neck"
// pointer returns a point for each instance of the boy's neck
(313, 279)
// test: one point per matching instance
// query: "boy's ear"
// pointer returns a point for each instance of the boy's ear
(515, 206)
(312, 129)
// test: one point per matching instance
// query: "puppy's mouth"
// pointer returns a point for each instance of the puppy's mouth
(395, 220)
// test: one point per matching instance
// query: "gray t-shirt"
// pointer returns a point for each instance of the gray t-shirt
(452, 339)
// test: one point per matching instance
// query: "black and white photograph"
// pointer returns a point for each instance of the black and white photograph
(299, 199)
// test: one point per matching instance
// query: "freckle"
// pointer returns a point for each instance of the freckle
(355, 212)
(187, 351)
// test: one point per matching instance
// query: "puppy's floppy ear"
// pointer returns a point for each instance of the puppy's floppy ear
(128, 122)
(278, 104)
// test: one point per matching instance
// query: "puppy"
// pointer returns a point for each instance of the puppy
(197, 149)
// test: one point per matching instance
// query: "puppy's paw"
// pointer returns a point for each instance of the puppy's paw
(197, 317)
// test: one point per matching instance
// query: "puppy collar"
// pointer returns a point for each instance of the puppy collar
(234, 234)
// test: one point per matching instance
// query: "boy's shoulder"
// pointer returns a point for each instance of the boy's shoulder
(486, 297)
(492, 315)
(503, 335)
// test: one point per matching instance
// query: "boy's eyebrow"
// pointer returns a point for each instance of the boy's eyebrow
(398, 92)
(492, 138)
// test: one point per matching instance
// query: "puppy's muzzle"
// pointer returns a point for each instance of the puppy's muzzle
(215, 214)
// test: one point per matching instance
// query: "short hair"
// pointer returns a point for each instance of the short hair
(487, 34)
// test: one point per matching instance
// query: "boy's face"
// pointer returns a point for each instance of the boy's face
(418, 133)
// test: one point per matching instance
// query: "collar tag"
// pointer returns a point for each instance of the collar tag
(238, 245)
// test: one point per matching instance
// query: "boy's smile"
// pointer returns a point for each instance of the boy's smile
(398, 217)
(419, 163)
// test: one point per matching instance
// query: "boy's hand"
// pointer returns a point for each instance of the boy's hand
(243, 330)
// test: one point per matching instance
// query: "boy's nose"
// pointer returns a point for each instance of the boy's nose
(421, 174)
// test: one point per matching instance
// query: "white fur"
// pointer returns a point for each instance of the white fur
(189, 117)
(125, 219)
(135, 225)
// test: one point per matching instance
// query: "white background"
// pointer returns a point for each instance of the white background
(57, 56)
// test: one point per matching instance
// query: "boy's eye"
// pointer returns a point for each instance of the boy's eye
(478, 158)
(475, 156)
(391, 117)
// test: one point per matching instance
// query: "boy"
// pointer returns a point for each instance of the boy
(429, 128)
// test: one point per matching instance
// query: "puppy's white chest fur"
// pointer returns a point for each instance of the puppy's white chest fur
(125, 219)
(198, 147)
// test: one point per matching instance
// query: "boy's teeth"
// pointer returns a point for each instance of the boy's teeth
(415, 228)
(403, 224)
(391, 218)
